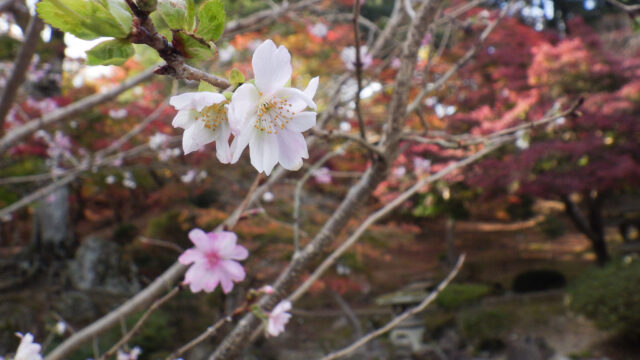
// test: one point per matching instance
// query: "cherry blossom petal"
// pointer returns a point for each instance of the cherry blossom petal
(239, 143)
(312, 87)
(223, 242)
(233, 269)
(239, 253)
(263, 149)
(244, 103)
(227, 284)
(223, 153)
(298, 99)
(271, 67)
(302, 121)
(292, 148)
(214, 277)
(195, 100)
(201, 240)
(282, 306)
(195, 137)
(184, 119)
(191, 255)
(196, 276)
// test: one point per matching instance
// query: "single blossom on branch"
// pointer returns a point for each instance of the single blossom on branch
(213, 261)
(268, 116)
(278, 318)
(203, 116)
(27, 350)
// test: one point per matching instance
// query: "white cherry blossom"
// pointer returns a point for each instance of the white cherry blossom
(203, 116)
(268, 116)
(28, 350)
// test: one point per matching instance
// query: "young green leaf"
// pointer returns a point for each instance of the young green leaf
(205, 86)
(236, 77)
(211, 19)
(191, 47)
(110, 52)
(178, 14)
(85, 19)
(122, 13)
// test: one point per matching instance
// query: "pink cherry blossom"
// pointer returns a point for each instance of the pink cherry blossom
(267, 289)
(278, 318)
(322, 175)
(213, 261)
(269, 117)
(27, 350)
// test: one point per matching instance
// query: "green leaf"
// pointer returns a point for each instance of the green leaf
(236, 77)
(192, 47)
(205, 86)
(178, 14)
(110, 52)
(85, 19)
(211, 19)
(122, 13)
(191, 15)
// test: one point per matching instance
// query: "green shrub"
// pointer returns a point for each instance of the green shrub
(610, 296)
(481, 325)
(455, 296)
(538, 280)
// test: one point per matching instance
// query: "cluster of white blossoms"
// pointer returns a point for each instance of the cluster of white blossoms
(264, 114)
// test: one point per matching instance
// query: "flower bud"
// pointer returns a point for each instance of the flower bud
(147, 6)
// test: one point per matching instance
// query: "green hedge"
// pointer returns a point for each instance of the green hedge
(610, 296)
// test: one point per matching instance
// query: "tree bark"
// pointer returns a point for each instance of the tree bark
(593, 227)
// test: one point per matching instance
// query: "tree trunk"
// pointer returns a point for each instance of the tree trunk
(593, 227)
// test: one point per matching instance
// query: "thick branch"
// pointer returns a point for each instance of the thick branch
(20, 68)
(15, 135)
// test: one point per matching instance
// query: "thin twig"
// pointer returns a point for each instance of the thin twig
(161, 243)
(350, 137)
(384, 211)
(233, 219)
(298, 194)
(156, 304)
(211, 330)
(400, 318)
(430, 88)
(356, 35)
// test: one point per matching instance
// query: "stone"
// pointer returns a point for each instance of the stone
(99, 266)
(51, 224)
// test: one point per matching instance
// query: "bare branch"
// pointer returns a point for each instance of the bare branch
(624, 7)
(20, 68)
(140, 322)
(373, 218)
(15, 135)
(358, 65)
(459, 64)
(361, 191)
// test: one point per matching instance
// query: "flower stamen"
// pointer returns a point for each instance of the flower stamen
(274, 114)
(212, 116)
